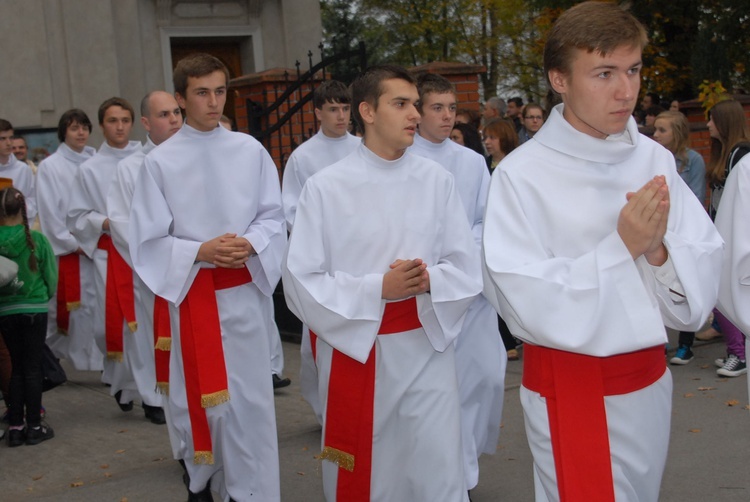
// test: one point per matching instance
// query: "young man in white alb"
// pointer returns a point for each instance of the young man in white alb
(593, 243)
(161, 117)
(382, 268)
(70, 326)
(480, 353)
(332, 102)
(87, 221)
(207, 234)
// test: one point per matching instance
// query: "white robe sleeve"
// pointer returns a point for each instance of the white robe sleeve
(267, 232)
(53, 210)
(118, 210)
(291, 190)
(732, 224)
(84, 222)
(165, 263)
(602, 302)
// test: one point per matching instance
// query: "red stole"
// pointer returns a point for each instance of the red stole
(162, 344)
(119, 299)
(574, 386)
(350, 408)
(68, 289)
(203, 352)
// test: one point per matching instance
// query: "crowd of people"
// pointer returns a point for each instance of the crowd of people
(418, 257)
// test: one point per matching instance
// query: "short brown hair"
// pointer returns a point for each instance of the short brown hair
(593, 26)
(368, 87)
(5, 125)
(331, 91)
(196, 65)
(74, 115)
(122, 103)
(431, 83)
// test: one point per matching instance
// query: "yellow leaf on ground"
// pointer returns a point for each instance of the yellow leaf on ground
(120, 451)
(104, 466)
(107, 475)
(694, 430)
(37, 477)
(732, 402)
(689, 394)
(76, 484)
(706, 388)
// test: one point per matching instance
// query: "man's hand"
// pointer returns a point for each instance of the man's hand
(105, 225)
(227, 251)
(406, 278)
(643, 221)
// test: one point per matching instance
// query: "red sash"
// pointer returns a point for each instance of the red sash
(350, 407)
(203, 352)
(119, 300)
(68, 289)
(162, 344)
(574, 386)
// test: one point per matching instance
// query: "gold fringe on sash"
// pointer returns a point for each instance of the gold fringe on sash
(163, 343)
(71, 306)
(115, 356)
(133, 325)
(63, 332)
(203, 457)
(162, 388)
(338, 457)
(215, 399)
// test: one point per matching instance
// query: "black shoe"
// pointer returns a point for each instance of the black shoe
(123, 407)
(279, 383)
(16, 437)
(35, 435)
(155, 414)
(202, 496)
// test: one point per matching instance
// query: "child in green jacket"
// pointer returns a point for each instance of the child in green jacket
(23, 317)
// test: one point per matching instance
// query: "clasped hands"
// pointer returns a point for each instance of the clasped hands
(405, 278)
(643, 221)
(226, 251)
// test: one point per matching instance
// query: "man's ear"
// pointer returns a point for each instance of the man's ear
(558, 80)
(180, 100)
(367, 112)
(318, 114)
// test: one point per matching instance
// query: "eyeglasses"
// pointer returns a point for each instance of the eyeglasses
(533, 117)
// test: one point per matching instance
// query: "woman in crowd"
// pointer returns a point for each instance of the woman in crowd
(500, 138)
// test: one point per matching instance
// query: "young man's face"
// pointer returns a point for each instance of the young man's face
(204, 100)
(533, 119)
(390, 129)
(6, 145)
(164, 117)
(116, 126)
(334, 118)
(438, 116)
(600, 92)
(20, 150)
(513, 110)
(76, 136)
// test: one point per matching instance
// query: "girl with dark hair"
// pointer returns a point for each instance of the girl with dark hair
(468, 136)
(23, 317)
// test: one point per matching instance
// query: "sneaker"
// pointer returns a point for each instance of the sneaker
(35, 435)
(683, 355)
(720, 361)
(732, 367)
(16, 437)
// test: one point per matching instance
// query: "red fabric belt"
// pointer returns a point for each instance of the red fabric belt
(203, 351)
(350, 408)
(574, 386)
(68, 289)
(162, 343)
(119, 300)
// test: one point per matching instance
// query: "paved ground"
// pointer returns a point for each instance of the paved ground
(102, 454)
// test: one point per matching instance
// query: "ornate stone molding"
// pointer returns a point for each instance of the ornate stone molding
(167, 10)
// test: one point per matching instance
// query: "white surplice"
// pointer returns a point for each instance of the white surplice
(480, 354)
(731, 222)
(307, 159)
(54, 183)
(562, 278)
(193, 188)
(87, 210)
(353, 220)
(138, 347)
(23, 180)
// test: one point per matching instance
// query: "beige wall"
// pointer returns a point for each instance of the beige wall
(60, 54)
